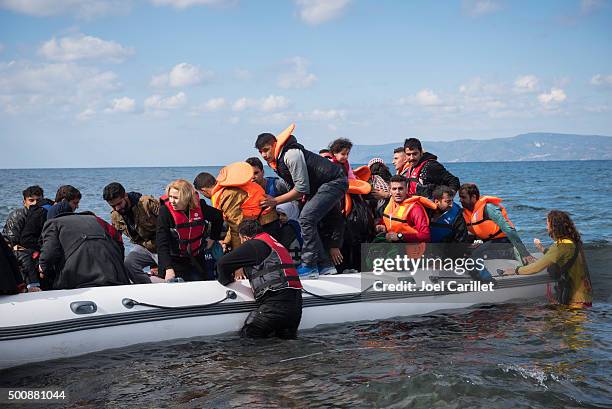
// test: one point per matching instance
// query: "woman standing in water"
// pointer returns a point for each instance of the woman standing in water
(565, 261)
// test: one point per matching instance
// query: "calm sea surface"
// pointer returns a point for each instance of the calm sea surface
(505, 357)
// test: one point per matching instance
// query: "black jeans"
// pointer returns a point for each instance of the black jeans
(278, 315)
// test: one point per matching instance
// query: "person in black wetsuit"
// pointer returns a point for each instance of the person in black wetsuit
(273, 278)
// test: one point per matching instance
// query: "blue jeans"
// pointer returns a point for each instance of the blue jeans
(324, 200)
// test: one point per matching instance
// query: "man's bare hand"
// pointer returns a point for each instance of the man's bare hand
(239, 274)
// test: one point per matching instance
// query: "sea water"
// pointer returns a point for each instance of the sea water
(506, 356)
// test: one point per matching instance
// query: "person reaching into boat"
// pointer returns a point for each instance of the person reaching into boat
(81, 250)
(565, 261)
(22, 229)
(425, 173)
(310, 176)
(405, 219)
(186, 228)
(235, 194)
(135, 215)
(273, 278)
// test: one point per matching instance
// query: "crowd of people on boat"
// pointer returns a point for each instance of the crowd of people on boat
(308, 220)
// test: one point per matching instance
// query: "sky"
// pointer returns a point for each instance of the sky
(103, 83)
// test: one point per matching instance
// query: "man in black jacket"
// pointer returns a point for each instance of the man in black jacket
(425, 172)
(82, 250)
(22, 230)
(275, 283)
(11, 281)
(309, 176)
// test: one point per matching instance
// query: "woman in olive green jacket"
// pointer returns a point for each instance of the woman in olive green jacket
(564, 259)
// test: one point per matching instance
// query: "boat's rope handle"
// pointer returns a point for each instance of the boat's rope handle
(350, 297)
(130, 303)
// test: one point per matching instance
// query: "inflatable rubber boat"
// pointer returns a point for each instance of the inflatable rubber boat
(64, 323)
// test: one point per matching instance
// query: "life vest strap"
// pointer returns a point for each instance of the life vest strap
(395, 219)
(195, 223)
(276, 267)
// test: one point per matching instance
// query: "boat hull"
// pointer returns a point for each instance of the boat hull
(41, 326)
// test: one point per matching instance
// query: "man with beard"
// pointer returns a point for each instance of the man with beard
(135, 215)
(425, 172)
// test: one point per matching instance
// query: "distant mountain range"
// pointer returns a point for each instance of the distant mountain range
(525, 147)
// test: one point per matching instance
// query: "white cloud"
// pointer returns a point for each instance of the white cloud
(215, 104)
(122, 105)
(319, 11)
(526, 83)
(183, 4)
(556, 95)
(268, 104)
(425, 97)
(476, 8)
(181, 75)
(298, 76)
(600, 79)
(241, 104)
(273, 103)
(157, 102)
(78, 8)
(81, 47)
(324, 115)
(86, 114)
(29, 78)
(477, 86)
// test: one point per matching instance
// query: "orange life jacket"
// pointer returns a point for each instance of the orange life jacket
(251, 208)
(479, 224)
(405, 171)
(395, 215)
(281, 140)
(356, 187)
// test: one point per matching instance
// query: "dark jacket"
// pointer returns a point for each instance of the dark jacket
(140, 223)
(58, 208)
(332, 228)
(14, 225)
(434, 174)
(78, 251)
(11, 281)
(320, 169)
(167, 244)
(32, 229)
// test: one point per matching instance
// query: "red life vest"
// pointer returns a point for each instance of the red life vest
(413, 177)
(191, 231)
(276, 272)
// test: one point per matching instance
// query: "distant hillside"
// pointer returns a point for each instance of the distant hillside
(526, 147)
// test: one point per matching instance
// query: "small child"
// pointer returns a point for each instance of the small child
(340, 149)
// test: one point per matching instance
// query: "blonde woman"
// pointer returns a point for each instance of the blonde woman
(186, 227)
